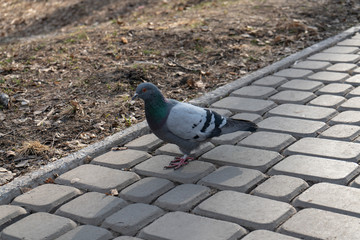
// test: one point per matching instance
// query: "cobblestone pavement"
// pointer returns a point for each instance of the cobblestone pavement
(296, 177)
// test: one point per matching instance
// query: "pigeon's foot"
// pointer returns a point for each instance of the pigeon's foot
(178, 162)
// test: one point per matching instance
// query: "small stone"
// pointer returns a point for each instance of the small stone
(4, 100)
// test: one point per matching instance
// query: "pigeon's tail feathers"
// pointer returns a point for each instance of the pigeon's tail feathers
(233, 125)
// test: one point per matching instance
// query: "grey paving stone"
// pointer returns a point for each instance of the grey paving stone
(238, 104)
(10, 214)
(190, 173)
(281, 188)
(301, 85)
(268, 235)
(329, 77)
(327, 148)
(293, 73)
(146, 189)
(148, 142)
(46, 198)
(247, 210)
(342, 67)
(340, 89)
(331, 197)
(313, 223)
(292, 96)
(223, 112)
(335, 57)
(192, 228)
(121, 159)
(97, 178)
(302, 111)
(325, 100)
(86, 232)
(356, 182)
(252, 117)
(242, 157)
(127, 238)
(270, 81)
(268, 140)
(91, 208)
(351, 104)
(173, 150)
(254, 92)
(183, 197)
(354, 93)
(130, 219)
(312, 65)
(356, 71)
(233, 178)
(354, 80)
(341, 49)
(293, 126)
(38, 226)
(230, 138)
(316, 169)
(341, 132)
(350, 42)
(346, 117)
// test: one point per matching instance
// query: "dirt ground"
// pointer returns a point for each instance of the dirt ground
(70, 67)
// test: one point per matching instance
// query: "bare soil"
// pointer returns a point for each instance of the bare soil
(70, 67)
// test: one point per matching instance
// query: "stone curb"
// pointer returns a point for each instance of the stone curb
(14, 188)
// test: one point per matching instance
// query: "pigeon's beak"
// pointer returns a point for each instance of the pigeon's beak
(135, 96)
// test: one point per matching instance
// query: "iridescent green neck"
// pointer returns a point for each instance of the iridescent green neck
(156, 111)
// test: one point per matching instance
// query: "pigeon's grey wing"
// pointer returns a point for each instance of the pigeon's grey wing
(194, 123)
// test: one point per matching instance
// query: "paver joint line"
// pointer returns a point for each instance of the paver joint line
(241, 185)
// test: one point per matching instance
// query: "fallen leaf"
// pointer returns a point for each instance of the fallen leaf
(124, 40)
(49, 180)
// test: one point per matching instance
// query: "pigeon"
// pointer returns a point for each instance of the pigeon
(184, 124)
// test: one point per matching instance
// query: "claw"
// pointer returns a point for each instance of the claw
(178, 162)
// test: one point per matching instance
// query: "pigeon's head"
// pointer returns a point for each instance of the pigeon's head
(146, 91)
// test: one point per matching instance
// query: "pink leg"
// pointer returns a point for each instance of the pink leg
(178, 162)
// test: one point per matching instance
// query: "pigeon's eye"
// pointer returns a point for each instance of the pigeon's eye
(144, 90)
